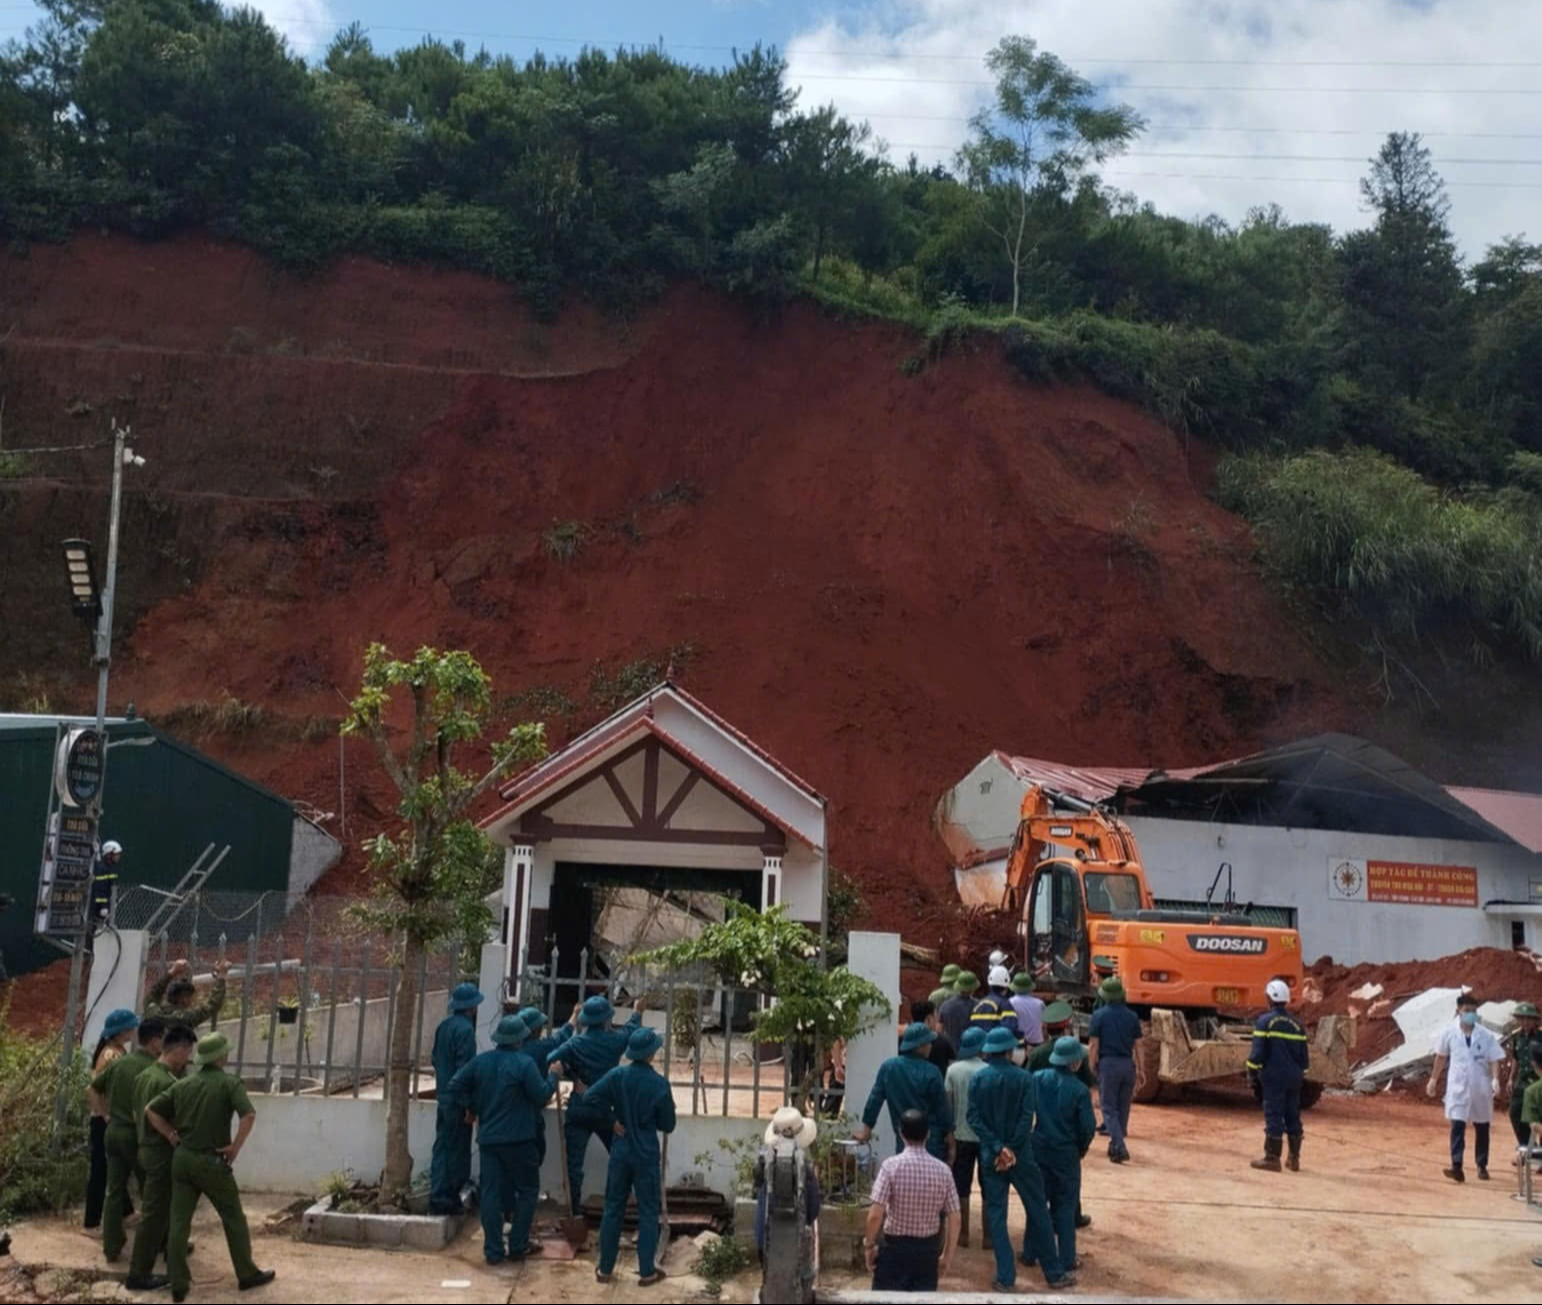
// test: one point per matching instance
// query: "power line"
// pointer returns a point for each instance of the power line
(1186, 127)
(301, 20)
(1272, 158)
(1196, 90)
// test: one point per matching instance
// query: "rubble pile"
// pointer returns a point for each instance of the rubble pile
(1401, 1008)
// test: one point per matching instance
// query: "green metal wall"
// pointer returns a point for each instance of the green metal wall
(164, 802)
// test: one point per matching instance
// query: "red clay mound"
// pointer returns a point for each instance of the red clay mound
(879, 576)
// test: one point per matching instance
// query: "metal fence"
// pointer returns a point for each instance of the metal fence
(711, 1056)
(311, 1002)
(311, 992)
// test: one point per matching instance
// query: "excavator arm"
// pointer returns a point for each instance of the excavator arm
(1047, 818)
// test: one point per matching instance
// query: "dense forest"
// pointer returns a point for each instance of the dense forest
(1379, 399)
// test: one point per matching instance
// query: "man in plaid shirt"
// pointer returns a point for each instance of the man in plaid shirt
(911, 1194)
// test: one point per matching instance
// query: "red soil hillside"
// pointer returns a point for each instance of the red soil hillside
(879, 576)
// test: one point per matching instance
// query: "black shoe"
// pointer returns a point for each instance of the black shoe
(261, 1280)
(148, 1282)
(178, 1297)
(1084, 1221)
(1483, 1175)
(1537, 1260)
(1063, 1283)
(1028, 1261)
(1455, 1174)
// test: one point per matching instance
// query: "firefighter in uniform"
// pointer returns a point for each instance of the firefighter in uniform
(1277, 1063)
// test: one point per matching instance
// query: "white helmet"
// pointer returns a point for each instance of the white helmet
(999, 978)
(1277, 990)
(112, 847)
(998, 957)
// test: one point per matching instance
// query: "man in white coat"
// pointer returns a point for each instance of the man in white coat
(1467, 1053)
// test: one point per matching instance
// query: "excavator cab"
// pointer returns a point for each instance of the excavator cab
(1058, 954)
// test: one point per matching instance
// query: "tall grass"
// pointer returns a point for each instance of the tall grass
(1413, 561)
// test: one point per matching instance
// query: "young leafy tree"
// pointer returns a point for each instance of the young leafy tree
(429, 876)
(1043, 131)
(828, 169)
(765, 952)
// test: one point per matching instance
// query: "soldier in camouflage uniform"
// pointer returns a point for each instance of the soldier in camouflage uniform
(1523, 1069)
(171, 1000)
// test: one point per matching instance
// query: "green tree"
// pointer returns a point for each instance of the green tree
(429, 876)
(828, 172)
(806, 1006)
(1044, 129)
(1402, 280)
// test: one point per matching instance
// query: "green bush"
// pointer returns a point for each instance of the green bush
(1413, 561)
(39, 1173)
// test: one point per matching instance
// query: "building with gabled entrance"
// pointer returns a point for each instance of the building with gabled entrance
(663, 809)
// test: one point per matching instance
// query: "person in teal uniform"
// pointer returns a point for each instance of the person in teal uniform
(639, 1104)
(455, 1047)
(909, 1081)
(506, 1093)
(588, 1055)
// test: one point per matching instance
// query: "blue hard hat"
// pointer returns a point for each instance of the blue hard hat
(467, 996)
(120, 1021)
(1068, 1051)
(596, 1011)
(916, 1036)
(999, 1041)
(511, 1031)
(972, 1042)
(642, 1044)
(534, 1017)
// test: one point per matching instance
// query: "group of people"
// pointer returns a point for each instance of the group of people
(503, 1093)
(162, 1108)
(998, 1086)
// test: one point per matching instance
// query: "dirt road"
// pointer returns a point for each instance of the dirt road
(1370, 1219)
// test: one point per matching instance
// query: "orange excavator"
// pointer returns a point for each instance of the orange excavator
(1075, 879)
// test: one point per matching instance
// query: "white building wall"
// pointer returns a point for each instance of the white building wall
(300, 1141)
(1289, 867)
(312, 852)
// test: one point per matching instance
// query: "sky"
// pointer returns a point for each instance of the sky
(1249, 102)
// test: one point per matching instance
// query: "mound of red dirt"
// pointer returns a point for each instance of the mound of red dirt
(876, 574)
(1492, 974)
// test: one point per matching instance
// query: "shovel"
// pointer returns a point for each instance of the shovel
(573, 1228)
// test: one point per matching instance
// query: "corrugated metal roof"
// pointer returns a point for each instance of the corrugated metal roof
(1091, 783)
(1518, 814)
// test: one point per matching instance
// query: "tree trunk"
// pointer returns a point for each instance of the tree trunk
(397, 1179)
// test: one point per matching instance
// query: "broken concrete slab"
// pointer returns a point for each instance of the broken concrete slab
(1367, 992)
(1422, 1019)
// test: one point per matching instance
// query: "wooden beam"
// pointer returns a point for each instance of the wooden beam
(680, 794)
(621, 795)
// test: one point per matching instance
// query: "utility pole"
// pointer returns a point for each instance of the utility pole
(122, 456)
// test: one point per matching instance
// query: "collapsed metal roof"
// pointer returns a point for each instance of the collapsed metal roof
(1330, 781)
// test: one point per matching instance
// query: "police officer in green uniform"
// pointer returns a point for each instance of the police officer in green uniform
(194, 1116)
(507, 1094)
(455, 1047)
(1523, 1070)
(116, 1085)
(172, 999)
(639, 1103)
(909, 1081)
(155, 1160)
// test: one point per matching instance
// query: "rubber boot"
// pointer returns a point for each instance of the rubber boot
(1293, 1161)
(1271, 1160)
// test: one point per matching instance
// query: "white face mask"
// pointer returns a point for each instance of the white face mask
(1020, 1056)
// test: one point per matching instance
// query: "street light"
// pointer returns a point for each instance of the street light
(85, 595)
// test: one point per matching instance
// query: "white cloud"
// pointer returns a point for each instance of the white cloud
(1329, 79)
(309, 25)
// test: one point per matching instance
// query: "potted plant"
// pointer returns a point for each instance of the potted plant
(289, 1010)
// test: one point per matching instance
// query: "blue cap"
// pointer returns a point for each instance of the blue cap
(534, 1017)
(467, 996)
(120, 1021)
(511, 1031)
(998, 1041)
(1068, 1051)
(916, 1036)
(596, 1011)
(972, 1041)
(642, 1044)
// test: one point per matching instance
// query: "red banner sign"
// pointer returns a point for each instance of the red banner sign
(1421, 885)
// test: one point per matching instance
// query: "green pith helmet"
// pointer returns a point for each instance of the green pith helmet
(949, 975)
(968, 981)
